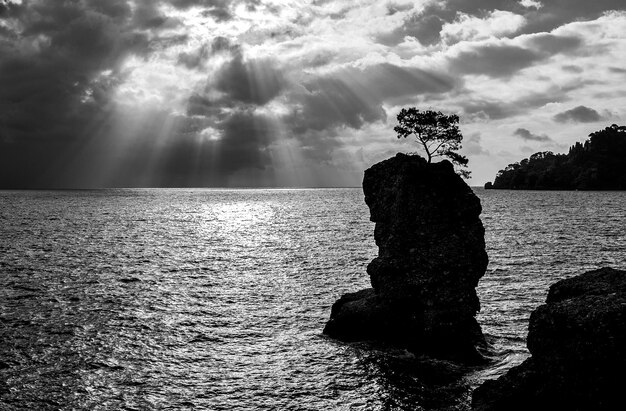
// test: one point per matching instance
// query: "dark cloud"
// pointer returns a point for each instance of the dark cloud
(329, 102)
(255, 81)
(195, 59)
(206, 150)
(503, 59)
(242, 143)
(499, 109)
(148, 15)
(208, 4)
(218, 13)
(354, 97)
(221, 44)
(495, 60)
(319, 59)
(552, 44)
(220, 10)
(390, 81)
(111, 8)
(56, 75)
(200, 105)
(424, 25)
(245, 138)
(580, 114)
(524, 134)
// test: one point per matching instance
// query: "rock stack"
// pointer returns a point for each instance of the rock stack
(431, 256)
(578, 346)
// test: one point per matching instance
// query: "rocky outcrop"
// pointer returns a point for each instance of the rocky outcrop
(578, 346)
(431, 256)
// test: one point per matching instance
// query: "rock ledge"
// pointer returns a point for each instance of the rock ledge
(578, 346)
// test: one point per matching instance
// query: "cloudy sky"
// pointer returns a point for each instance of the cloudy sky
(97, 93)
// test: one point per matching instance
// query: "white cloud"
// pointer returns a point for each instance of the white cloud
(469, 28)
(531, 4)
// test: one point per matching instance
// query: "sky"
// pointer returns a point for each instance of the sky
(267, 93)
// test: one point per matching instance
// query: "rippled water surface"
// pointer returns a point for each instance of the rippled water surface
(215, 299)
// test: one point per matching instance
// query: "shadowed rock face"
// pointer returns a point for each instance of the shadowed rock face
(431, 256)
(578, 346)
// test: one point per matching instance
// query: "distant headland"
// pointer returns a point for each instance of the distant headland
(596, 164)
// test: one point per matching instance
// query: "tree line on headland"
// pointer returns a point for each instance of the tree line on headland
(597, 164)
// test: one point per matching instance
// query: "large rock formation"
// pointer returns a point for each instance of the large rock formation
(578, 346)
(431, 256)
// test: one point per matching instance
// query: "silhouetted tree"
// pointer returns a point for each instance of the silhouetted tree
(437, 133)
(598, 164)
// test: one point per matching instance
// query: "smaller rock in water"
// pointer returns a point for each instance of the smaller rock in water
(578, 346)
(431, 256)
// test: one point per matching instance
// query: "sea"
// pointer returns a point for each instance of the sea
(207, 299)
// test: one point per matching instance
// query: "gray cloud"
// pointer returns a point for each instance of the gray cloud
(254, 81)
(111, 8)
(52, 95)
(472, 145)
(426, 24)
(391, 81)
(497, 109)
(553, 44)
(503, 60)
(354, 97)
(148, 15)
(580, 114)
(195, 59)
(243, 143)
(524, 134)
(572, 68)
(495, 60)
(220, 10)
(494, 110)
(555, 13)
(329, 102)
(480, 109)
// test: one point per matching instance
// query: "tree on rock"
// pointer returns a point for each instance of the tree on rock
(438, 134)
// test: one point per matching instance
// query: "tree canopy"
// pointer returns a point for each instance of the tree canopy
(437, 134)
(596, 164)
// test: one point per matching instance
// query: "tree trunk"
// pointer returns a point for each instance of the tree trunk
(426, 149)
